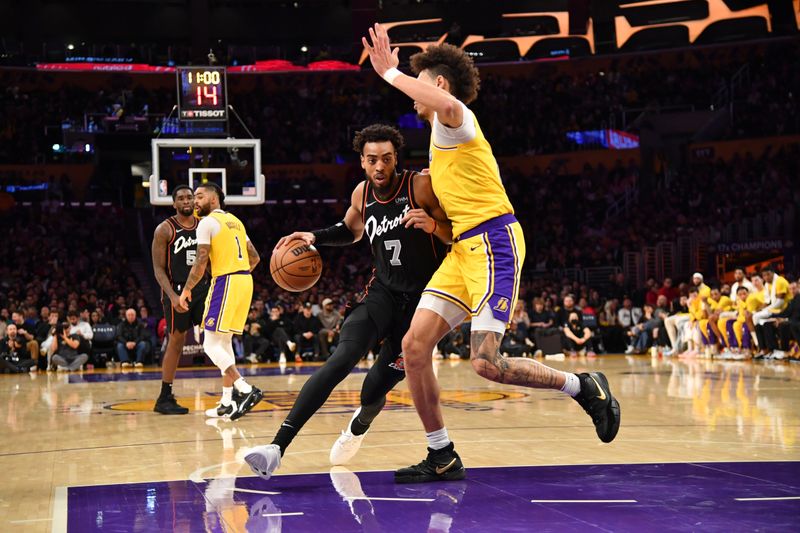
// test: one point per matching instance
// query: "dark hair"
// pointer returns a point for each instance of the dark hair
(211, 186)
(178, 189)
(741, 287)
(768, 268)
(454, 65)
(73, 313)
(378, 133)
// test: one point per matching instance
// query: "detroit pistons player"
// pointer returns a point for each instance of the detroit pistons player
(174, 249)
(407, 231)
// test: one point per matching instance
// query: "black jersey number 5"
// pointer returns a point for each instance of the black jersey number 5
(394, 246)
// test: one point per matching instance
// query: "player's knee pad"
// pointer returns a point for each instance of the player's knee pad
(218, 348)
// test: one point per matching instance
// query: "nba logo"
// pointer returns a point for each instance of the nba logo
(502, 305)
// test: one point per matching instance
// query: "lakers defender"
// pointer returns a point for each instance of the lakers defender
(221, 239)
(480, 276)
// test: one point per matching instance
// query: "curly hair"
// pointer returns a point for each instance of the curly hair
(377, 133)
(216, 189)
(454, 65)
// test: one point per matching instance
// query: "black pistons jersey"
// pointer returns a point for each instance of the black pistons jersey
(181, 252)
(404, 259)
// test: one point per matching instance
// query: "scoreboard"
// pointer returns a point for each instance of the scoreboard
(202, 94)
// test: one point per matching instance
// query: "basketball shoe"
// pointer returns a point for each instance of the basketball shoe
(264, 460)
(247, 402)
(168, 405)
(347, 445)
(440, 465)
(596, 399)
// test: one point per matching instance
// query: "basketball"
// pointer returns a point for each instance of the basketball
(295, 266)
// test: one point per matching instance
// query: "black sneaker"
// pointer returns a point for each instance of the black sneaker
(596, 399)
(246, 402)
(169, 406)
(440, 465)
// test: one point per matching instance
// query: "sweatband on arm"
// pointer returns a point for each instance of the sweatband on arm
(337, 235)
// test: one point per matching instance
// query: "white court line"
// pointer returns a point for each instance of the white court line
(584, 501)
(29, 521)
(60, 511)
(253, 491)
(774, 498)
(390, 499)
(283, 514)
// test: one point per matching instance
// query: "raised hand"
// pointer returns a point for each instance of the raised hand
(381, 55)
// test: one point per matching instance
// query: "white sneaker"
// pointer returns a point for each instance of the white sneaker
(779, 354)
(282, 358)
(264, 460)
(221, 411)
(253, 358)
(347, 445)
(292, 346)
(629, 350)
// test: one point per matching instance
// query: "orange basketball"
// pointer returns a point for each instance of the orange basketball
(295, 266)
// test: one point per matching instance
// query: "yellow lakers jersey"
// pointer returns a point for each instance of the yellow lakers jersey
(723, 304)
(755, 301)
(466, 180)
(782, 288)
(741, 310)
(229, 246)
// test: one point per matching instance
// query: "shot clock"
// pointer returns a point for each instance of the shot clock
(202, 93)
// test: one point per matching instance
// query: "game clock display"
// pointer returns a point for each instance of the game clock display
(202, 93)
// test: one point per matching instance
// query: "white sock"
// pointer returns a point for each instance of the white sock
(242, 386)
(438, 439)
(227, 395)
(572, 385)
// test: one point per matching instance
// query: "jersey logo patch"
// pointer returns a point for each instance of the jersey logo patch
(502, 305)
(401, 200)
(398, 364)
(210, 322)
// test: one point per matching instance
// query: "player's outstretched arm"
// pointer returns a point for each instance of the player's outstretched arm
(343, 233)
(429, 217)
(252, 255)
(161, 237)
(385, 61)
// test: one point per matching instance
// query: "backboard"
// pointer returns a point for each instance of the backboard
(233, 164)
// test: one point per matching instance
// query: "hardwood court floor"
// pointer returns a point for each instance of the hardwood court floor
(98, 428)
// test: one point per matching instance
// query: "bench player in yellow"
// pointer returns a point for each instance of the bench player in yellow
(735, 334)
(717, 304)
(479, 277)
(222, 239)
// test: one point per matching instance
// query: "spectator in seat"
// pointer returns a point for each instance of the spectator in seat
(23, 331)
(513, 343)
(628, 316)
(542, 323)
(151, 329)
(307, 328)
(69, 354)
(14, 355)
(41, 333)
(562, 316)
(668, 291)
(577, 337)
(521, 318)
(278, 331)
(131, 340)
(331, 321)
(253, 340)
(651, 296)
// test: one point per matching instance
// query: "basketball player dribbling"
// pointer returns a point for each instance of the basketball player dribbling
(222, 240)
(480, 275)
(407, 230)
(174, 250)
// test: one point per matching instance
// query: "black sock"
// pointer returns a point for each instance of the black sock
(357, 427)
(166, 390)
(286, 433)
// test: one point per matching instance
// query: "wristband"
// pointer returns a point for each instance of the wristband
(391, 74)
(337, 235)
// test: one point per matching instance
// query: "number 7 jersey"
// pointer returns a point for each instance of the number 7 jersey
(404, 258)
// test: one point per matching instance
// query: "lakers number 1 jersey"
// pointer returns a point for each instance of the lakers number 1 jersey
(228, 252)
(465, 175)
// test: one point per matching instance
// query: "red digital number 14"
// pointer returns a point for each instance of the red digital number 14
(204, 91)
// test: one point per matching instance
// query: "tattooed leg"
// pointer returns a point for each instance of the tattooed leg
(489, 363)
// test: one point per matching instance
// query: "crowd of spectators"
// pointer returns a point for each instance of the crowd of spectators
(309, 118)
